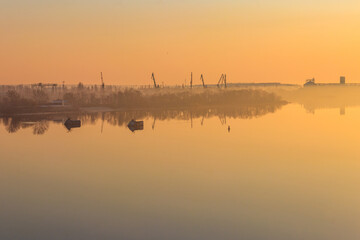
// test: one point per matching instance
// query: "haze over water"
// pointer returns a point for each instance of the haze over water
(285, 174)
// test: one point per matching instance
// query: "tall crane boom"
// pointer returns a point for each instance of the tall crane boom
(202, 80)
(221, 80)
(153, 78)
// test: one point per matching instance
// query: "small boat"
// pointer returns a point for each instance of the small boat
(136, 125)
(69, 124)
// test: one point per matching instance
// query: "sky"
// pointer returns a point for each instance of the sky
(250, 40)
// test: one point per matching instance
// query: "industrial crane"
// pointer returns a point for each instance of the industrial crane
(102, 81)
(202, 79)
(222, 80)
(153, 78)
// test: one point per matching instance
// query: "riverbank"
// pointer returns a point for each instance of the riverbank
(84, 101)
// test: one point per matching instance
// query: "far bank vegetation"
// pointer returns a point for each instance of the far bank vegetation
(14, 100)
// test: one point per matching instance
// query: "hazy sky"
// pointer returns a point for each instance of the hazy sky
(250, 40)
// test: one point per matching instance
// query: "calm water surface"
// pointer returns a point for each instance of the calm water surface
(289, 174)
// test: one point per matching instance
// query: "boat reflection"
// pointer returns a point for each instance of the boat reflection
(69, 124)
(136, 125)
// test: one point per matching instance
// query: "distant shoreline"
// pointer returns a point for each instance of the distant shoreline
(81, 100)
(109, 110)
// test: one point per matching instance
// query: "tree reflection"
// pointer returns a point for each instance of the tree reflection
(12, 125)
(40, 123)
(41, 127)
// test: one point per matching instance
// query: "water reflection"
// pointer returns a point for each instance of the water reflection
(40, 123)
(283, 176)
(324, 97)
(312, 107)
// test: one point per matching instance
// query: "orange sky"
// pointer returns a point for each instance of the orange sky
(251, 41)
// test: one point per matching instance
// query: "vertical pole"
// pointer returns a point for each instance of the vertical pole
(102, 81)
(191, 81)
(191, 119)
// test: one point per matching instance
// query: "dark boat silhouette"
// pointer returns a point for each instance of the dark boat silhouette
(136, 125)
(69, 124)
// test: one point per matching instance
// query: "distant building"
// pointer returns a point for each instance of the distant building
(342, 80)
(310, 82)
